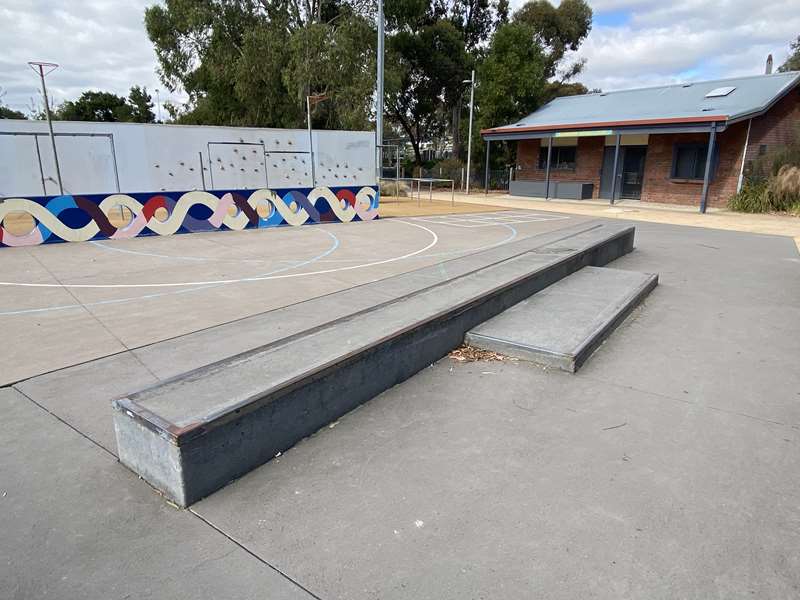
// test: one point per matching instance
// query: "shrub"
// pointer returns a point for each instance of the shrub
(777, 193)
(393, 188)
(753, 197)
(784, 188)
(772, 182)
(789, 154)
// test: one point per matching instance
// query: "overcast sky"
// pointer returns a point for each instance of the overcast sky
(101, 44)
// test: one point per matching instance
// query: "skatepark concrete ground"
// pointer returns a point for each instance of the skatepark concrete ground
(665, 468)
(64, 304)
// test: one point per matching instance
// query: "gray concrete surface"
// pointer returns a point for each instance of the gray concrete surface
(145, 290)
(193, 434)
(666, 468)
(77, 526)
(80, 394)
(563, 324)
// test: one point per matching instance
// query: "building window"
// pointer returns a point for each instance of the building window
(689, 161)
(562, 158)
(762, 149)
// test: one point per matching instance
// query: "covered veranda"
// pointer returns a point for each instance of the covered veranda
(609, 164)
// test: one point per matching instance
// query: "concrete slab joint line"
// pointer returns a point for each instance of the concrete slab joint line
(192, 434)
(564, 324)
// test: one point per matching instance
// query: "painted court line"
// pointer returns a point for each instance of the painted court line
(472, 221)
(505, 240)
(314, 259)
(431, 244)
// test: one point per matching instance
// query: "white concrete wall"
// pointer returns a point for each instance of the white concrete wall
(176, 158)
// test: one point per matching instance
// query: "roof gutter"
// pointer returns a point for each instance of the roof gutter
(504, 131)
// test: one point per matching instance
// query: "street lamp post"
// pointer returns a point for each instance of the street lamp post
(39, 67)
(379, 93)
(471, 82)
(158, 104)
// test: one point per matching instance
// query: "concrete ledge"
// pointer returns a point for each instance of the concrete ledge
(564, 190)
(562, 325)
(192, 434)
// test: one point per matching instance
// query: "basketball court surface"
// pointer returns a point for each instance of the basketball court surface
(67, 303)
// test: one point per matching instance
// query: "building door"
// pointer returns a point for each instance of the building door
(633, 172)
(630, 172)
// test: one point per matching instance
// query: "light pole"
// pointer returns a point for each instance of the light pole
(158, 104)
(379, 93)
(39, 67)
(471, 82)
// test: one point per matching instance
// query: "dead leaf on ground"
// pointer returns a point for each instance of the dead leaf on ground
(471, 354)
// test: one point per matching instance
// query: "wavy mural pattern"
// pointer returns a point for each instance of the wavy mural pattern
(82, 218)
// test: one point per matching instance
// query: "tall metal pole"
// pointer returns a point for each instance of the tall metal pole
(40, 69)
(379, 93)
(469, 138)
(547, 168)
(617, 139)
(488, 142)
(712, 136)
(311, 143)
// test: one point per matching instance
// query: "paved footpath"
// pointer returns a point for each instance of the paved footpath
(770, 224)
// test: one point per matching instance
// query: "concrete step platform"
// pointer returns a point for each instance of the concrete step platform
(192, 434)
(562, 325)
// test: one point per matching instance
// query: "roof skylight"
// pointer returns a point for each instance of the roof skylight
(720, 91)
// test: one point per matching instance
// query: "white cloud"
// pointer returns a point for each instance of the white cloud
(100, 44)
(665, 42)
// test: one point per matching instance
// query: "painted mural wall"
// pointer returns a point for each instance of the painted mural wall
(119, 216)
(123, 179)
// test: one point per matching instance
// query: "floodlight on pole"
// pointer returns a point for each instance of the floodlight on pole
(40, 68)
(379, 93)
(471, 82)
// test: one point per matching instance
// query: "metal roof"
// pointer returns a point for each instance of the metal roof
(680, 103)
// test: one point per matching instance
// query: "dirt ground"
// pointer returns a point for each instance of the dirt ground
(408, 207)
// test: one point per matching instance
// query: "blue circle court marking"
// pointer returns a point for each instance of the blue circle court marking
(320, 257)
(275, 274)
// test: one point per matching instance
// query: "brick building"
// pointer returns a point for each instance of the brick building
(652, 144)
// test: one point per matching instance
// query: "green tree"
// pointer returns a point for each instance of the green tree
(10, 113)
(94, 106)
(431, 48)
(793, 61)
(247, 62)
(6, 112)
(558, 30)
(513, 78)
(426, 70)
(104, 106)
(513, 83)
(141, 105)
(525, 65)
